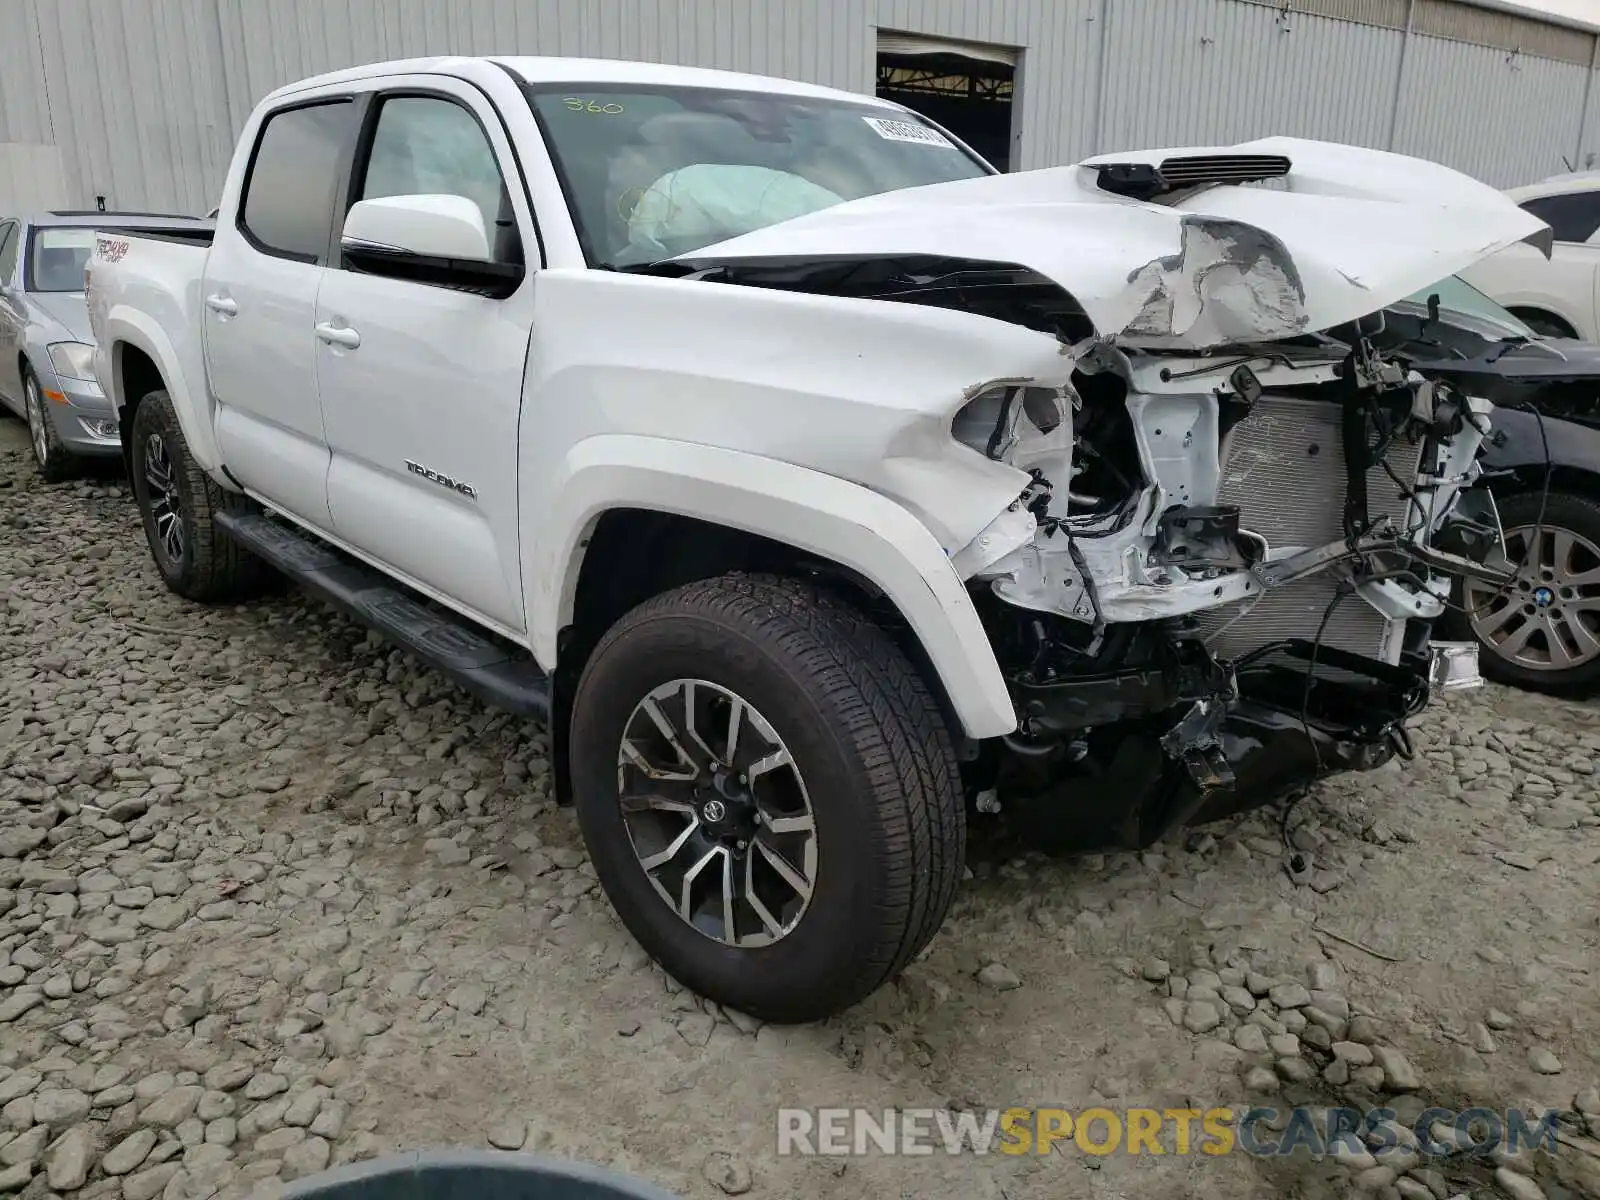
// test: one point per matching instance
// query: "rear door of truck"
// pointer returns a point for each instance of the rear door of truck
(266, 264)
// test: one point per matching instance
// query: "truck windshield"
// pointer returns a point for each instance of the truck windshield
(56, 258)
(655, 172)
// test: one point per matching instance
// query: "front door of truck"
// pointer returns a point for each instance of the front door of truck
(258, 301)
(421, 383)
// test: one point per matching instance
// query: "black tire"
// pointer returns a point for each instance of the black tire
(1543, 323)
(208, 565)
(1562, 511)
(56, 463)
(865, 735)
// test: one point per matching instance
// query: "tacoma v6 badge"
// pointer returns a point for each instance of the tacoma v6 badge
(455, 485)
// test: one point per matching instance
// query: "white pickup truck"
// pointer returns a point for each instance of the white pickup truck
(820, 486)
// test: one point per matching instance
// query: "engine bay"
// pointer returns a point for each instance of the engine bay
(1193, 485)
(1220, 581)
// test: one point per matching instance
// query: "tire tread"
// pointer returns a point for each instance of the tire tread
(854, 671)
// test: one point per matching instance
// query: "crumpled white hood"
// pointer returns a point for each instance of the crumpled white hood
(1347, 232)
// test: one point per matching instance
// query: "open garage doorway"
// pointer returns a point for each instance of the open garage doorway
(966, 88)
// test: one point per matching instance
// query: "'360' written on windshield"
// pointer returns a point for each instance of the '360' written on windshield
(652, 173)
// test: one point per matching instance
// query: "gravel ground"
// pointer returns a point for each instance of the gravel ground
(272, 897)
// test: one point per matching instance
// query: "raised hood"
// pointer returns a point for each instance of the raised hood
(1334, 234)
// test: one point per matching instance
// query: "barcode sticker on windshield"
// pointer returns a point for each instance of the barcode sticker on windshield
(906, 131)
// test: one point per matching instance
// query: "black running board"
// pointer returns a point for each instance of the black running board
(492, 669)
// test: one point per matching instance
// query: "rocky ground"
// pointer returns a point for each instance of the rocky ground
(273, 898)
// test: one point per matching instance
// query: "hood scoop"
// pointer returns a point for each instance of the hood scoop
(1142, 181)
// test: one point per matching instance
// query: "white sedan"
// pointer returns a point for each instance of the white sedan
(1559, 296)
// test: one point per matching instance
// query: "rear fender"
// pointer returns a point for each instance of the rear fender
(818, 514)
(126, 326)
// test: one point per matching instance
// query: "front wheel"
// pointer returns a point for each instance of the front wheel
(1544, 324)
(178, 503)
(56, 463)
(1543, 631)
(769, 794)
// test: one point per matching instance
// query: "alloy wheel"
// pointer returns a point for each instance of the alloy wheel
(165, 502)
(1549, 619)
(717, 813)
(37, 429)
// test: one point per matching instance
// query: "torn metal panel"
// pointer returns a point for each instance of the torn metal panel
(1231, 282)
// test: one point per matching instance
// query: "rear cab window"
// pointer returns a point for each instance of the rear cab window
(287, 206)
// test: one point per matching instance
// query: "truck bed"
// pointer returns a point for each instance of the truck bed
(157, 275)
(187, 237)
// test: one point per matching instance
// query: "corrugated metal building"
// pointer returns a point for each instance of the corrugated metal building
(139, 101)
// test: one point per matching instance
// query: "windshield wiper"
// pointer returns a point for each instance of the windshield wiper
(660, 266)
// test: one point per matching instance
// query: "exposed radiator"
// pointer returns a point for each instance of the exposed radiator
(1283, 465)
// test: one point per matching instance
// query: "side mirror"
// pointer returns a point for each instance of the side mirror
(434, 239)
(424, 226)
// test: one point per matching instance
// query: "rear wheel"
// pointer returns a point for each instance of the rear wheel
(56, 463)
(179, 503)
(769, 794)
(1542, 632)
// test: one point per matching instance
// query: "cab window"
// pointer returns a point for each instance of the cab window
(428, 145)
(288, 195)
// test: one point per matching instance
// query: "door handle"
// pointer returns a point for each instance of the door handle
(221, 304)
(339, 335)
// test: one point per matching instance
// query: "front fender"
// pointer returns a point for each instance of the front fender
(1518, 444)
(819, 514)
(127, 326)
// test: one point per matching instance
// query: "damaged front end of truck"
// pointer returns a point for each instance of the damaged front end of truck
(1235, 522)
(1232, 592)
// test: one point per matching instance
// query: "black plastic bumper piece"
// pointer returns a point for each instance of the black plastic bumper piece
(493, 670)
(1301, 713)
(1281, 735)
